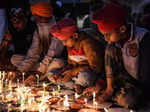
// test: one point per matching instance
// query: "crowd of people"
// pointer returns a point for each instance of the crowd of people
(111, 59)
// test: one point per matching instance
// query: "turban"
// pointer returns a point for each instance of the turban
(109, 18)
(64, 29)
(42, 9)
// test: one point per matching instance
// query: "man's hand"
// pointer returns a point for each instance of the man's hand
(89, 91)
(106, 95)
(31, 80)
(55, 78)
(67, 75)
(67, 78)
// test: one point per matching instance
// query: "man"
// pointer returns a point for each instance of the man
(126, 56)
(21, 29)
(45, 49)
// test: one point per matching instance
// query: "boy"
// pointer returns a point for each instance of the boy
(126, 56)
(85, 55)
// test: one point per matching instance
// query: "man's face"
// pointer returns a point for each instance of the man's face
(18, 24)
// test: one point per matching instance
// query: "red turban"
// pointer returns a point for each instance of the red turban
(64, 29)
(42, 9)
(109, 18)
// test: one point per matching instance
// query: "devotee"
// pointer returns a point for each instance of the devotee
(43, 54)
(85, 57)
(126, 57)
(21, 29)
(18, 36)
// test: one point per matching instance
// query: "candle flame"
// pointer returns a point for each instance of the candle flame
(85, 100)
(131, 110)
(94, 94)
(44, 85)
(76, 96)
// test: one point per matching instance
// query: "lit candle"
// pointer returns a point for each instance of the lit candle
(10, 86)
(66, 103)
(85, 100)
(22, 107)
(1, 86)
(3, 75)
(18, 83)
(23, 77)
(44, 85)
(94, 95)
(48, 110)
(10, 74)
(37, 79)
(95, 104)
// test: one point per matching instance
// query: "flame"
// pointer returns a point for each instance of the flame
(131, 110)
(44, 85)
(76, 96)
(85, 100)
(94, 94)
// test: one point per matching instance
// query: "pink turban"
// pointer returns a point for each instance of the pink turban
(64, 29)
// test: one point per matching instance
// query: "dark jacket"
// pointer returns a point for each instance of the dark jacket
(23, 39)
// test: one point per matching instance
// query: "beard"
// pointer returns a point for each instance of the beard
(45, 40)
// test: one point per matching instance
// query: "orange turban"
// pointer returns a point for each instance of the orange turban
(42, 9)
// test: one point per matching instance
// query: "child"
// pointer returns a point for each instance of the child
(126, 56)
(85, 56)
